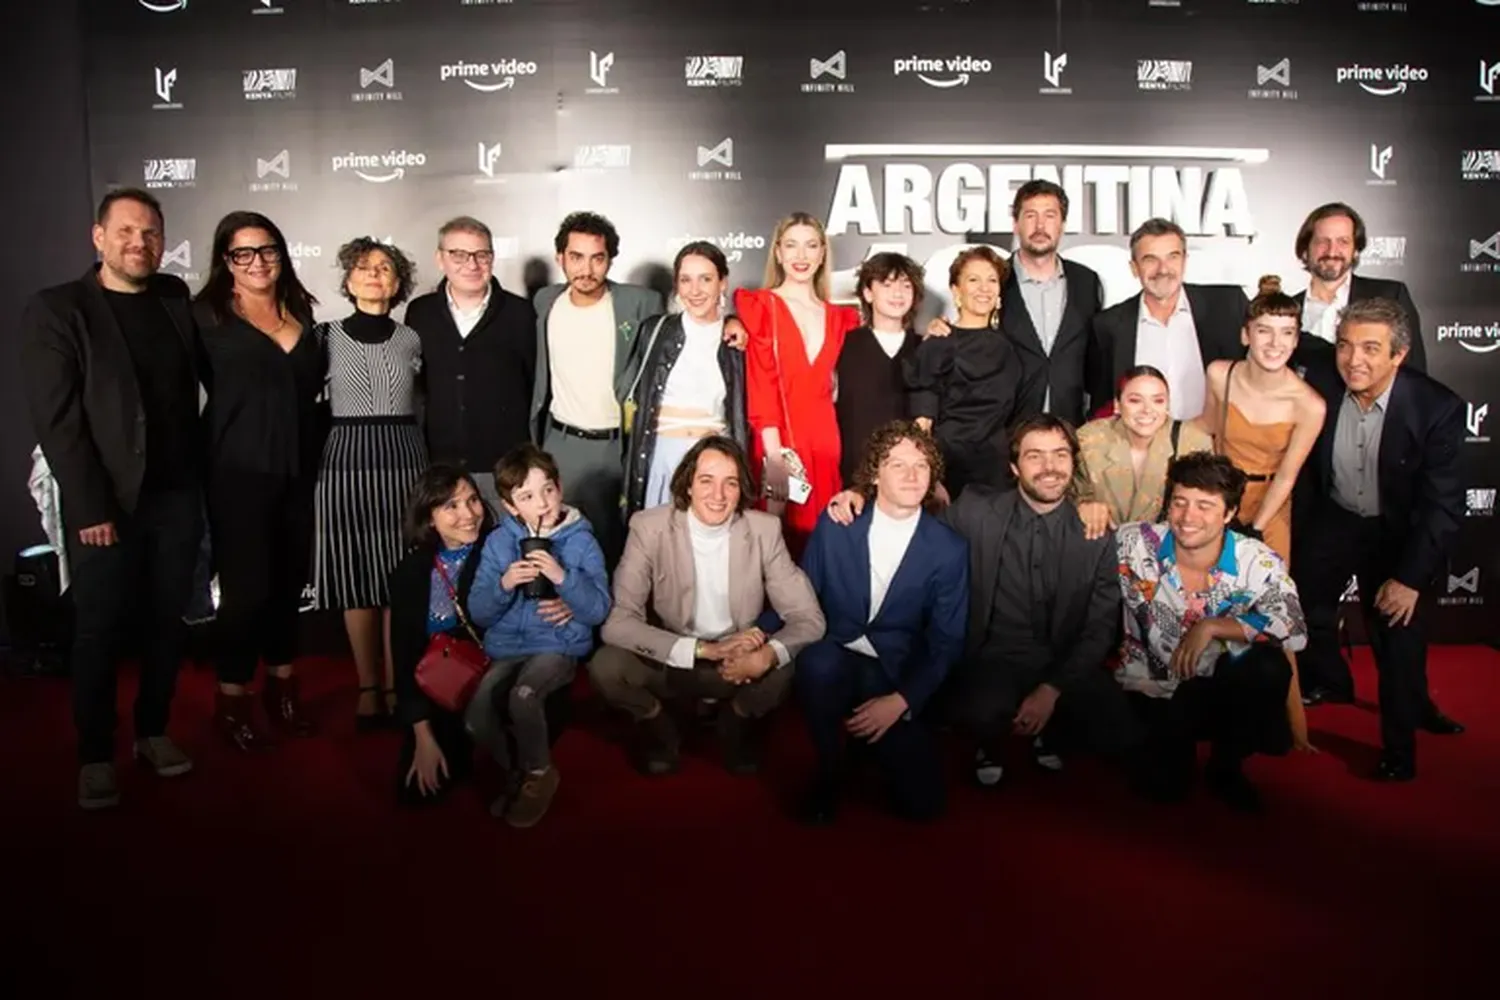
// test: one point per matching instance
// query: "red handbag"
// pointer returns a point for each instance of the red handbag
(452, 667)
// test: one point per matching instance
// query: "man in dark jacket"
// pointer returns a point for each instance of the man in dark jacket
(478, 357)
(113, 366)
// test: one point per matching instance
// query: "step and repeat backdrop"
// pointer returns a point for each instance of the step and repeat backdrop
(905, 125)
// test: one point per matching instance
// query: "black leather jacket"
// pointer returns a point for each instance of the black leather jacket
(654, 368)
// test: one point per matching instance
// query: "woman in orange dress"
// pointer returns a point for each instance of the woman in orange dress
(1266, 420)
(795, 339)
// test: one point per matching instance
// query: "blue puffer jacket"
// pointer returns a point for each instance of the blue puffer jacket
(510, 621)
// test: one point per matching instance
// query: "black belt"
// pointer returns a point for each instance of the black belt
(1259, 477)
(610, 435)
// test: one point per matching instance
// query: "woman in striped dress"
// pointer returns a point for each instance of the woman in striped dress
(375, 452)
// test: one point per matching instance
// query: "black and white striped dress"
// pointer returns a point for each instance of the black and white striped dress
(375, 452)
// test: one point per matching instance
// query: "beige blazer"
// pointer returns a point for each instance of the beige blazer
(1108, 475)
(654, 584)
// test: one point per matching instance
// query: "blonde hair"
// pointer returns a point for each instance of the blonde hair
(776, 274)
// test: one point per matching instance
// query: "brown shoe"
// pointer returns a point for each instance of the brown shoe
(531, 802)
(284, 708)
(234, 718)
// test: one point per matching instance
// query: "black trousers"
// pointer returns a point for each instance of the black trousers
(1333, 546)
(831, 682)
(262, 529)
(1240, 710)
(141, 585)
(1092, 714)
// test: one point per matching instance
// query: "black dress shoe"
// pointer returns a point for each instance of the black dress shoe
(1391, 769)
(1325, 696)
(739, 742)
(1230, 784)
(1439, 724)
(821, 804)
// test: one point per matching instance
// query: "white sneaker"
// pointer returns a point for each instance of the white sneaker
(1045, 758)
(987, 771)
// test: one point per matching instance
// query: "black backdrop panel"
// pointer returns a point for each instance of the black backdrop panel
(906, 125)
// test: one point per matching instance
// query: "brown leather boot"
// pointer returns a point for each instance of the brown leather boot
(284, 708)
(234, 718)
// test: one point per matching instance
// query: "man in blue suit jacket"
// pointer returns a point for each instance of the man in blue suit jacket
(895, 591)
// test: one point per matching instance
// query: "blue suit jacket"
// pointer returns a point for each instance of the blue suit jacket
(919, 630)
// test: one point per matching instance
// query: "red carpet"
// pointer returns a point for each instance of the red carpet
(293, 875)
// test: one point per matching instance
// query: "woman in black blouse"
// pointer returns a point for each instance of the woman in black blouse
(264, 430)
(870, 378)
(964, 386)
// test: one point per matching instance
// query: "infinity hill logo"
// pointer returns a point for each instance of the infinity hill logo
(952, 71)
(833, 73)
(1381, 81)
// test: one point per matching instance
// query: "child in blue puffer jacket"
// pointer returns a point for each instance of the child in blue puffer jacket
(538, 612)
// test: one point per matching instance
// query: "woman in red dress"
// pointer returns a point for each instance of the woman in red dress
(795, 339)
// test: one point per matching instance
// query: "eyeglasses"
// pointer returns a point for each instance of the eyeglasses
(244, 255)
(484, 258)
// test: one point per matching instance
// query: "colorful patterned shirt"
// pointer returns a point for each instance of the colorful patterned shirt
(1249, 584)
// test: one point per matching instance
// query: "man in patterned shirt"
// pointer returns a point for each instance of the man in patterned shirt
(1209, 616)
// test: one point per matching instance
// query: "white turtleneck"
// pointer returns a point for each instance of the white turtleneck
(712, 616)
(889, 539)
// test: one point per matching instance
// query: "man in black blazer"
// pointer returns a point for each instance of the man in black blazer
(113, 367)
(1329, 244)
(478, 357)
(1171, 325)
(1381, 500)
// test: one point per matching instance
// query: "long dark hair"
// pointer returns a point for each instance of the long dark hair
(435, 488)
(218, 290)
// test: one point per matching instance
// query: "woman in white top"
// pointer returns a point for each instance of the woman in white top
(685, 383)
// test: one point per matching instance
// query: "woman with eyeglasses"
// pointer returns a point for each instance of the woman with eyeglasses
(375, 453)
(264, 444)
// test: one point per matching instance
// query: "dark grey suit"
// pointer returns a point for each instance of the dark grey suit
(1360, 289)
(986, 692)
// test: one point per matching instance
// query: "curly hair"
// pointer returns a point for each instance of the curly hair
(588, 224)
(353, 253)
(1210, 473)
(878, 449)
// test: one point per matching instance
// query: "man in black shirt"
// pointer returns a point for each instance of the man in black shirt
(1043, 612)
(478, 356)
(113, 366)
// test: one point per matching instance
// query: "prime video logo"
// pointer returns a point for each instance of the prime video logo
(1382, 81)
(488, 77)
(380, 168)
(954, 71)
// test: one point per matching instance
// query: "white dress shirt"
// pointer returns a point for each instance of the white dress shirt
(1172, 348)
(712, 618)
(889, 539)
(1321, 319)
(467, 320)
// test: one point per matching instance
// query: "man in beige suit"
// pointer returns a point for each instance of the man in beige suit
(695, 578)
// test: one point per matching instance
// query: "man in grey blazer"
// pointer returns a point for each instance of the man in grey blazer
(584, 341)
(690, 595)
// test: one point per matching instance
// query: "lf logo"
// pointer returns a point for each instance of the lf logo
(722, 154)
(1280, 73)
(384, 74)
(1053, 66)
(1489, 73)
(488, 155)
(835, 66)
(165, 81)
(280, 165)
(1379, 157)
(599, 67)
(1474, 421)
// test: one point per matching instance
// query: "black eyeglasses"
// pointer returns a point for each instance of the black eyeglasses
(462, 257)
(244, 255)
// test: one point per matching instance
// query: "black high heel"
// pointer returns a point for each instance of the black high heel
(372, 721)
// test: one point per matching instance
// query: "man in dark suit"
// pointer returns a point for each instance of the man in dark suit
(585, 330)
(1050, 305)
(894, 587)
(1329, 244)
(1382, 499)
(1171, 325)
(113, 367)
(479, 345)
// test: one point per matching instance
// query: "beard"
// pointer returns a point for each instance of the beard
(1039, 493)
